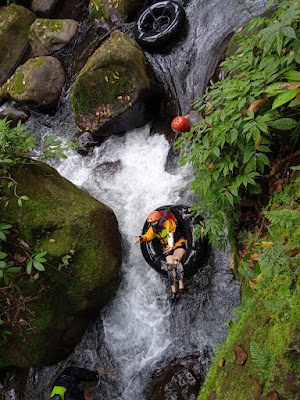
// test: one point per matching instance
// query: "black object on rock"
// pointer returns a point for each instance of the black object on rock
(159, 24)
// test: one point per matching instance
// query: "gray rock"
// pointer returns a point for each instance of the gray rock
(115, 10)
(43, 7)
(14, 115)
(37, 83)
(47, 36)
(15, 22)
(116, 88)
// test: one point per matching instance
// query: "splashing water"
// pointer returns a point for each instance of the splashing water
(139, 331)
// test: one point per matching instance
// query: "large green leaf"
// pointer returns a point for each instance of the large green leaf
(283, 98)
(292, 76)
(283, 124)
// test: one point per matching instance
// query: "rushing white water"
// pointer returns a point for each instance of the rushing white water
(139, 331)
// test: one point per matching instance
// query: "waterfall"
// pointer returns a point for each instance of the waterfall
(139, 331)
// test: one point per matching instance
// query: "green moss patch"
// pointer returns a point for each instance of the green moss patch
(63, 220)
(15, 22)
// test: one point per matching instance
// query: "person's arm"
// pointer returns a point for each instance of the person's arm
(149, 235)
(172, 226)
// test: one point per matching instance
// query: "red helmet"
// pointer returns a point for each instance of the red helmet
(180, 124)
(154, 216)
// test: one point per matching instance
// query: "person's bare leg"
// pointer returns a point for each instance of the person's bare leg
(171, 269)
(178, 254)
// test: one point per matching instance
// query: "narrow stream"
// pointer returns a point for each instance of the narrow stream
(139, 332)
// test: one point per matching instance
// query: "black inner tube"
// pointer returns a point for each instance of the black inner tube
(196, 248)
(159, 23)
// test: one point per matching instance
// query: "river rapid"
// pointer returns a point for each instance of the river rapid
(149, 349)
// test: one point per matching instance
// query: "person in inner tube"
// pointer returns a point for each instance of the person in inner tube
(165, 230)
(66, 385)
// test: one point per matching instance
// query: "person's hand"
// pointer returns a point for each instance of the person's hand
(137, 240)
(167, 251)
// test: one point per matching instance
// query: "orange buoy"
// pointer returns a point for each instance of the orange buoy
(180, 124)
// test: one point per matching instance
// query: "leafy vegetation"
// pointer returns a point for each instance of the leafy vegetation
(245, 155)
(266, 324)
(251, 119)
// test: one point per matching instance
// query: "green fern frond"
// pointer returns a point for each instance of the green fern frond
(296, 168)
(283, 218)
(260, 358)
(274, 306)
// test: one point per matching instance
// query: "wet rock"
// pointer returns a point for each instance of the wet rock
(180, 379)
(15, 22)
(43, 7)
(63, 220)
(115, 10)
(116, 90)
(49, 35)
(37, 83)
(14, 115)
(108, 169)
(85, 143)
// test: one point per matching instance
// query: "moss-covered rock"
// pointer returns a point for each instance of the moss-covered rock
(37, 83)
(60, 217)
(115, 89)
(114, 10)
(15, 22)
(49, 35)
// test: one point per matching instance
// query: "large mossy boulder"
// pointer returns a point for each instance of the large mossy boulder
(37, 83)
(15, 22)
(116, 89)
(49, 35)
(115, 10)
(63, 220)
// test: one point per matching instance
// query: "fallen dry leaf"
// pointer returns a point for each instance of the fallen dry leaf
(222, 363)
(20, 259)
(267, 320)
(207, 108)
(259, 389)
(269, 244)
(293, 252)
(259, 277)
(298, 96)
(231, 263)
(252, 284)
(272, 396)
(240, 355)
(255, 106)
(22, 243)
(212, 396)
(244, 113)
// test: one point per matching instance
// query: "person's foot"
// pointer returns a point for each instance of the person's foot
(172, 297)
(180, 293)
